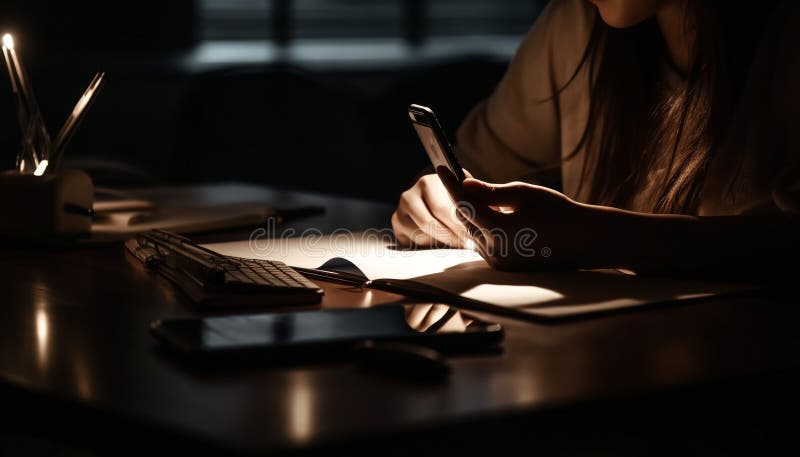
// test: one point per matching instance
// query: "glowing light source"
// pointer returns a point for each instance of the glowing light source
(41, 168)
(8, 41)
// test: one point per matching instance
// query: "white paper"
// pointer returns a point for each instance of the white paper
(464, 274)
(372, 253)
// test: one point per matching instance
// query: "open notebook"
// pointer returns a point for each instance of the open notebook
(462, 277)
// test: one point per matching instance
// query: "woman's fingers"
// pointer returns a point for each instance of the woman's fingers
(401, 230)
(427, 223)
(483, 247)
(489, 204)
(442, 209)
(424, 216)
(478, 217)
(497, 195)
(409, 234)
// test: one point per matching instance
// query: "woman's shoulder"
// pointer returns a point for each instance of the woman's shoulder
(558, 39)
(564, 19)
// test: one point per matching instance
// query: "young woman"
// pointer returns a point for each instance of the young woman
(673, 125)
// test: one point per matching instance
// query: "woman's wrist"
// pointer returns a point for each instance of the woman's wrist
(641, 241)
(621, 239)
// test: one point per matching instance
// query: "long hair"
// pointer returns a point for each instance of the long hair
(635, 117)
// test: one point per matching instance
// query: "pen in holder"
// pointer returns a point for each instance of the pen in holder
(37, 198)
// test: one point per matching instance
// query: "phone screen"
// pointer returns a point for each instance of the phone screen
(309, 327)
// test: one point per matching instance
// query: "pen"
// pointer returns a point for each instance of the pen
(75, 118)
(333, 276)
(22, 116)
(407, 288)
(8, 42)
(39, 140)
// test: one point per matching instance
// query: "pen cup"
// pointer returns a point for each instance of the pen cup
(57, 204)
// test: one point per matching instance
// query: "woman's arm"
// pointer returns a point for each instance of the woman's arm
(522, 226)
(758, 246)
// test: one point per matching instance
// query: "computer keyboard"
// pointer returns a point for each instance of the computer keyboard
(216, 280)
(257, 273)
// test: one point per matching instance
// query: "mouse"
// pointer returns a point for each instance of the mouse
(402, 360)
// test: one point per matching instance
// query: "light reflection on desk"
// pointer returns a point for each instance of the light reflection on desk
(83, 382)
(365, 300)
(53, 357)
(300, 407)
(42, 322)
(436, 317)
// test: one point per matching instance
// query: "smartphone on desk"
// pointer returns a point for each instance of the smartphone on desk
(278, 335)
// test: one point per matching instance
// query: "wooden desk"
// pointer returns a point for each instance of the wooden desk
(77, 365)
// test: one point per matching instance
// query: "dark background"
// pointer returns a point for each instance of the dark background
(307, 94)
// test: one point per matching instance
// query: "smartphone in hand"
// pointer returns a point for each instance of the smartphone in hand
(439, 150)
(442, 156)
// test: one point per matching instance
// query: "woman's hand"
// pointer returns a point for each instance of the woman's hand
(426, 216)
(523, 226)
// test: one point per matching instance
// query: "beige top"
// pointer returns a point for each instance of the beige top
(513, 134)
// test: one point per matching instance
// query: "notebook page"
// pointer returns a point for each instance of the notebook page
(465, 274)
(375, 256)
